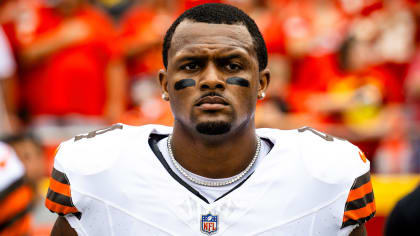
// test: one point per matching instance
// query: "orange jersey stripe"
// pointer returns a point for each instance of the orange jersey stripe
(363, 157)
(58, 208)
(60, 187)
(3, 163)
(360, 213)
(16, 202)
(360, 192)
(4, 160)
(20, 227)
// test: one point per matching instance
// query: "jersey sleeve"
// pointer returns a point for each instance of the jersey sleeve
(360, 204)
(7, 63)
(16, 197)
(345, 168)
(76, 162)
(59, 199)
(82, 167)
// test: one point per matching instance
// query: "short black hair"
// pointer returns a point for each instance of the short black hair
(218, 13)
(12, 139)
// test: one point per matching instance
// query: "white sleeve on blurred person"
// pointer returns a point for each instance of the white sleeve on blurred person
(7, 62)
(11, 169)
(7, 69)
(16, 197)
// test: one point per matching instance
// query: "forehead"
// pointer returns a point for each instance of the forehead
(198, 37)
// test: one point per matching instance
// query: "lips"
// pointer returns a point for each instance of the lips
(211, 100)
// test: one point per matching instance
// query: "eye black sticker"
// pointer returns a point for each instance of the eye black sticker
(184, 83)
(238, 81)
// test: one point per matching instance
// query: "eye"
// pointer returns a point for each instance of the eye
(233, 67)
(190, 66)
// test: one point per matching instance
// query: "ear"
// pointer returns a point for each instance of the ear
(263, 82)
(163, 81)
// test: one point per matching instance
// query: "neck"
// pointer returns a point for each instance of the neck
(214, 156)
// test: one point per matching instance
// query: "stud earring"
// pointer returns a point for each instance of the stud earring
(165, 97)
(262, 95)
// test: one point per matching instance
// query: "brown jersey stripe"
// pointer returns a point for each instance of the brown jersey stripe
(59, 187)
(59, 198)
(16, 202)
(359, 203)
(58, 208)
(60, 176)
(358, 221)
(360, 192)
(361, 180)
(12, 187)
(359, 213)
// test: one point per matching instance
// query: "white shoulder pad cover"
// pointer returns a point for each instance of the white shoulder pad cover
(95, 151)
(11, 169)
(330, 159)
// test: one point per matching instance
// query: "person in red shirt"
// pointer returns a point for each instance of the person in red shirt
(141, 32)
(9, 121)
(69, 60)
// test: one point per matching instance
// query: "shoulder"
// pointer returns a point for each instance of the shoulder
(336, 164)
(81, 164)
(329, 158)
(97, 150)
(404, 214)
(326, 158)
(11, 169)
(98, 20)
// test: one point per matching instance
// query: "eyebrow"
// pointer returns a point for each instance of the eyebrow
(232, 56)
(187, 58)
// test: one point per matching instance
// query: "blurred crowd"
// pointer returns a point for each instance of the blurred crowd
(350, 68)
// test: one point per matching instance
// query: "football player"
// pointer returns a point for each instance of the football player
(16, 196)
(213, 173)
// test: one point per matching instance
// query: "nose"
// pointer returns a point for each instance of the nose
(211, 79)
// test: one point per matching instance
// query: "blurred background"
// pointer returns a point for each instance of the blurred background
(350, 68)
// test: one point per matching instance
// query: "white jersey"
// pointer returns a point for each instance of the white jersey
(115, 182)
(11, 169)
(7, 62)
(16, 197)
(7, 69)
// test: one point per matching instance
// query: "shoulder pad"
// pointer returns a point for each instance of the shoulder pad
(95, 151)
(330, 159)
(98, 150)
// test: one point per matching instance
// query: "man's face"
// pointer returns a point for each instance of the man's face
(212, 77)
(32, 158)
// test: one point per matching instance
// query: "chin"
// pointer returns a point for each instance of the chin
(213, 127)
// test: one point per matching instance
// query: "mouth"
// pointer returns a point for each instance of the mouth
(211, 102)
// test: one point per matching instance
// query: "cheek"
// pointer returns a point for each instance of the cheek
(247, 93)
(245, 100)
(181, 101)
